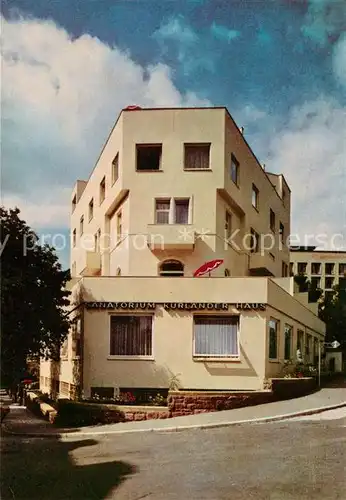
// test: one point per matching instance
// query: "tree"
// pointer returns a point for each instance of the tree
(314, 293)
(332, 311)
(33, 297)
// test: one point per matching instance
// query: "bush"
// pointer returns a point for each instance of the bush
(77, 414)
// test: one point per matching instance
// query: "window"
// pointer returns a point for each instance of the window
(119, 226)
(172, 211)
(302, 266)
(255, 197)
(76, 340)
(308, 347)
(197, 156)
(131, 336)
(300, 341)
(255, 241)
(74, 237)
(228, 224)
(330, 268)
(162, 211)
(284, 270)
(234, 169)
(291, 269)
(329, 283)
(91, 209)
(181, 215)
(342, 269)
(315, 268)
(272, 220)
(74, 203)
(148, 157)
(102, 392)
(115, 169)
(216, 336)
(102, 190)
(315, 283)
(227, 273)
(288, 341)
(273, 338)
(342, 283)
(172, 268)
(81, 225)
(282, 232)
(97, 239)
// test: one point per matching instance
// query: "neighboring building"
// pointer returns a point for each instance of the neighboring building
(326, 268)
(172, 189)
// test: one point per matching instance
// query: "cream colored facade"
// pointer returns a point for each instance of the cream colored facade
(326, 268)
(137, 236)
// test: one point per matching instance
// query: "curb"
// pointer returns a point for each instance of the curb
(261, 420)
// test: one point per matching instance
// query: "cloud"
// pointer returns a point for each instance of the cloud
(60, 98)
(310, 151)
(325, 20)
(175, 36)
(223, 33)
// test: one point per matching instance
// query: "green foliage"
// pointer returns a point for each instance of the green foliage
(332, 311)
(158, 400)
(33, 297)
(305, 286)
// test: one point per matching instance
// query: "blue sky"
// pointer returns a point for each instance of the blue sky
(69, 67)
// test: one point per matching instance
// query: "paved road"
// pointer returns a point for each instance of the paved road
(292, 460)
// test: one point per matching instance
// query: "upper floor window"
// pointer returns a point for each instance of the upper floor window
(284, 270)
(330, 268)
(162, 211)
(228, 224)
(149, 157)
(272, 220)
(91, 209)
(302, 267)
(97, 239)
(255, 241)
(282, 232)
(342, 269)
(273, 338)
(115, 169)
(74, 203)
(315, 268)
(172, 211)
(74, 237)
(234, 169)
(197, 156)
(102, 190)
(81, 225)
(172, 268)
(119, 226)
(255, 197)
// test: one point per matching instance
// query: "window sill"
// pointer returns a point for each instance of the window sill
(150, 171)
(197, 170)
(274, 361)
(218, 359)
(131, 358)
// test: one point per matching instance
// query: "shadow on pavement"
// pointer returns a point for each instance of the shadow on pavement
(337, 382)
(37, 468)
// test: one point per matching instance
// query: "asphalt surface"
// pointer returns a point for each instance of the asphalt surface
(299, 459)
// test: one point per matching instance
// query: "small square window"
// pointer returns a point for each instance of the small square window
(197, 156)
(149, 157)
(302, 267)
(329, 283)
(181, 215)
(255, 197)
(330, 268)
(315, 268)
(234, 170)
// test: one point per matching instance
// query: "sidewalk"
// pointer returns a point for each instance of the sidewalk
(21, 421)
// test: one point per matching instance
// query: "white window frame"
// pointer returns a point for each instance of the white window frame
(150, 357)
(229, 357)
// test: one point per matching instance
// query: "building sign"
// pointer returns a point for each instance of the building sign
(183, 306)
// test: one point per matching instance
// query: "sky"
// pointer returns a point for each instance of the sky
(70, 66)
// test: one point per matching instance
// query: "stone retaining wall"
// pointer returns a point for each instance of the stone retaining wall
(191, 403)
